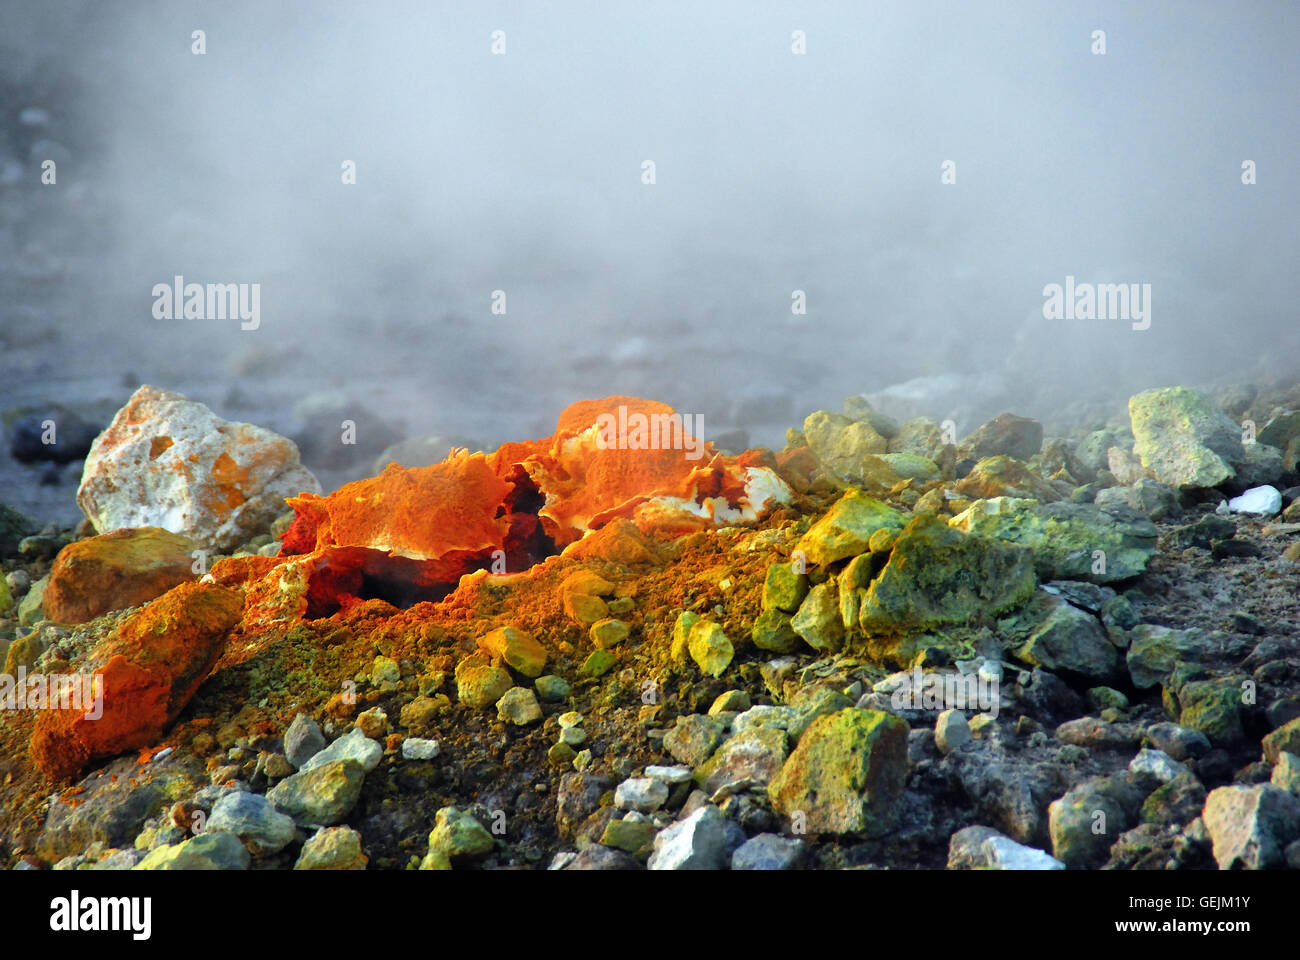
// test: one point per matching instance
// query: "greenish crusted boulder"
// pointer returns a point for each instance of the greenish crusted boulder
(321, 796)
(1281, 430)
(851, 587)
(1089, 818)
(1070, 541)
(208, 851)
(459, 836)
(598, 664)
(332, 848)
(13, 527)
(1183, 438)
(551, 688)
(694, 738)
(809, 703)
(1285, 739)
(6, 599)
(1176, 802)
(1068, 640)
(938, 575)
(629, 835)
(1094, 448)
(23, 653)
(911, 466)
(1212, 707)
(772, 632)
(783, 588)
(1154, 651)
(818, 621)
(846, 776)
(842, 444)
(481, 683)
(609, 632)
(845, 530)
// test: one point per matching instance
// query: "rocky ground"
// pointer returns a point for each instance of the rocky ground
(733, 695)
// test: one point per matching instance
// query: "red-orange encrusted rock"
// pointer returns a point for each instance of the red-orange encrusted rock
(148, 669)
(409, 535)
(422, 513)
(114, 571)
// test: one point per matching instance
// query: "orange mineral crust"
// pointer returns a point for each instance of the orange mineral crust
(620, 457)
(148, 670)
(421, 513)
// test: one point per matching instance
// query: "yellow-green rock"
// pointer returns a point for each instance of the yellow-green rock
(710, 648)
(519, 650)
(845, 530)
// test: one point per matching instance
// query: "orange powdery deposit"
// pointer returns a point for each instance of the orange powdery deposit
(148, 670)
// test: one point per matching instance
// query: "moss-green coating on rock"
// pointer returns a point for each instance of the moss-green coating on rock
(1183, 438)
(629, 835)
(783, 588)
(772, 631)
(479, 682)
(598, 664)
(846, 529)
(1285, 739)
(818, 620)
(938, 575)
(1212, 707)
(1154, 651)
(458, 835)
(1071, 541)
(846, 775)
(911, 466)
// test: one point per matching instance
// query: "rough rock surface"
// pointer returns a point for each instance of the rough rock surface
(115, 570)
(168, 461)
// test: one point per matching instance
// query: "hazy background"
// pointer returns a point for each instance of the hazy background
(522, 173)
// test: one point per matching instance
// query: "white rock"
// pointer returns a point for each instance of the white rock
(669, 775)
(417, 748)
(641, 793)
(167, 461)
(983, 847)
(355, 745)
(1157, 763)
(697, 843)
(1264, 500)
